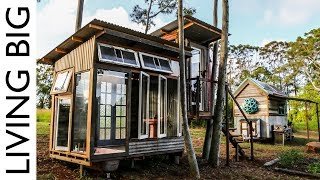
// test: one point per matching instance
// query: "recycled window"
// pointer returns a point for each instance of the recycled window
(62, 82)
(155, 63)
(80, 112)
(117, 55)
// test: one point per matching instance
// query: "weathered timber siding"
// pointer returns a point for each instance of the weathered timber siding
(80, 58)
(156, 146)
(251, 91)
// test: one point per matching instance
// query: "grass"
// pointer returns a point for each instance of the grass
(43, 128)
(43, 115)
(43, 121)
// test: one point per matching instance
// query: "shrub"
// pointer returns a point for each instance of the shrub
(290, 158)
(314, 167)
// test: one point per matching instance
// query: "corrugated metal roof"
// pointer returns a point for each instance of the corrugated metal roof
(200, 32)
(267, 88)
(96, 26)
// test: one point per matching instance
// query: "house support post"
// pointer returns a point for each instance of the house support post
(251, 140)
(307, 121)
(198, 98)
(227, 127)
(81, 171)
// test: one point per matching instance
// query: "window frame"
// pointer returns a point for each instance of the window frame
(165, 121)
(154, 56)
(56, 127)
(116, 62)
(71, 70)
(143, 136)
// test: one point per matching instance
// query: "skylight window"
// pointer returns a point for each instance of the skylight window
(117, 55)
(155, 63)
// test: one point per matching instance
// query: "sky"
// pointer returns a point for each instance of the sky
(254, 22)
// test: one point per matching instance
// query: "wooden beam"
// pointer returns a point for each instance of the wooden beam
(60, 51)
(205, 27)
(175, 31)
(76, 39)
(307, 121)
(96, 27)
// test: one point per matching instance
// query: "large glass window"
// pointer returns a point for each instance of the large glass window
(156, 63)
(111, 93)
(62, 81)
(195, 68)
(117, 55)
(80, 112)
(62, 119)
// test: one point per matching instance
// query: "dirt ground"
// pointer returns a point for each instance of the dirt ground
(162, 167)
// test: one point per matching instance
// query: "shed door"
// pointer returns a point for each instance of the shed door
(113, 107)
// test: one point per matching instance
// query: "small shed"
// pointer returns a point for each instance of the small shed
(264, 104)
(116, 94)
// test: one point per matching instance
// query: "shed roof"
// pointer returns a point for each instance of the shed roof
(195, 30)
(99, 28)
(267, 88)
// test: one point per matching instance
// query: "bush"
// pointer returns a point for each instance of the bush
(314, 168)
(290, 158)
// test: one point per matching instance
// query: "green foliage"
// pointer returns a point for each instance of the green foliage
(43, 115)
(290, 158)
(297, 113)
(145, 15)
(44, 83)
(314, 168)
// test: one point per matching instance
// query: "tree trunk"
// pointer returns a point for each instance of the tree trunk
(148, 17)
(194, 170)
(219, 108)
(209, 128)
(79, 15)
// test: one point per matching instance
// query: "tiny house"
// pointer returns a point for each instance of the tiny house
(116, 95)
(264, 105)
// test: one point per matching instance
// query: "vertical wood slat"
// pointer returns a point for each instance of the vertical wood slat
(80, 58)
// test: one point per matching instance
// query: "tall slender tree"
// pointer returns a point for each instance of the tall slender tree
(194, 169)
(79, 15)
(145, 15)
(209, 127)
(219, 108)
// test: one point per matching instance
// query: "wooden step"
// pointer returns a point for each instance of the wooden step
(232, 129)
(236, 135)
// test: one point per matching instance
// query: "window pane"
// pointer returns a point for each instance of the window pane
(118, 121)
(165, 65)
(108, 134)
(118, 133)
(102, 122)
(148, 61)
(123, 133)
(108, 122)
(107, 53)
(102, 110)
(103, 98)
(63, 122)
(144, 97)
(156, 61)
(81, 110)
(62, 81)
(118, 54)
(102, 134)
(123, 122)
(129, 57)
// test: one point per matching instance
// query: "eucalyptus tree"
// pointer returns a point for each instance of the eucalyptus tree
(145, 14)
